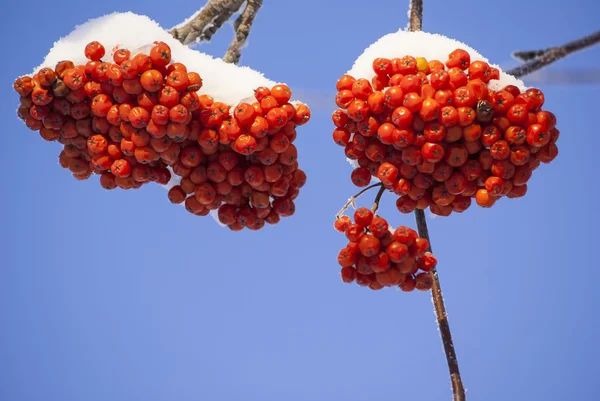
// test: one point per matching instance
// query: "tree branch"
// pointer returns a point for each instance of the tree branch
(353, 199)
(458, 391)
(218, 22)
(415, 15)
(242, 27)
(206, 21)
(538, 59)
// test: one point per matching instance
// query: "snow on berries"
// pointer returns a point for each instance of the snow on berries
(441, 134)
(136, 115)
(378, 256)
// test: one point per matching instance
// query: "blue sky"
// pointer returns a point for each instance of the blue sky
(121, 296)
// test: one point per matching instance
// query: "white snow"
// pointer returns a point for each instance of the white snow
(431, 46)
(223, 81)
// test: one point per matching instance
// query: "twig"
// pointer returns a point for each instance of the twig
(458, 389)
(377, 199)
(206, 21)
(415, 15)
(571, 76)
(353, 198)
(538, 59)
(528, 55)
(242, 27)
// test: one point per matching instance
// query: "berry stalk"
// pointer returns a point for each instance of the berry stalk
(353, 199)
(458, 390)
(377, 199)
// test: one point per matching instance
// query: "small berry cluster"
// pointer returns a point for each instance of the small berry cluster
(139, 119)
(378, 256)
(437, 136)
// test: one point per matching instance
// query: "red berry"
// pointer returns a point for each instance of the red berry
(423, 281)
(397, 252)
(378, 226)
(348, 274)
(363, 217)
(342, 223)
(368, 245)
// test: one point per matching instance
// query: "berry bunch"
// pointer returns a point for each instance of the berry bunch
(437, 135)
(378, 256)
(139, 118)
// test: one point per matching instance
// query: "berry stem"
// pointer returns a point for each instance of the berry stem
(206, 21)
(377, 199)
(242, 27)
(353, 198)
(441, 316)
(538, 59)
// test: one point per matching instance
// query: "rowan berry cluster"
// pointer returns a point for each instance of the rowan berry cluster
(139, 119)
(437, 136)
(378, 256)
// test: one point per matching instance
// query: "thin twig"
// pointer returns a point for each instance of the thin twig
(377, 199)
(538, 59)
(242, 27)
(206, 21)
(458, 389)
(415, 15)
(353, 199)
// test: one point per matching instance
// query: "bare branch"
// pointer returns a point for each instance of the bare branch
(242, 29)
(581, 76)
(528, 55)
(211, 29)
(206, 21)
(415, 15)
(538, 59)
(442, 318)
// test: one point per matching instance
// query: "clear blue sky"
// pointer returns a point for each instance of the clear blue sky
(91, 309)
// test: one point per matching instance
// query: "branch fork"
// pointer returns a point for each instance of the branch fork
(207, 21)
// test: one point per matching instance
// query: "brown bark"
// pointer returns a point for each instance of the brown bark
(415, 15)
(242, 27)
(458, 389)
(206, 22)
(538, 59)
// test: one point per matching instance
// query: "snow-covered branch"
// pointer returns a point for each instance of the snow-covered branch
(538, 59)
